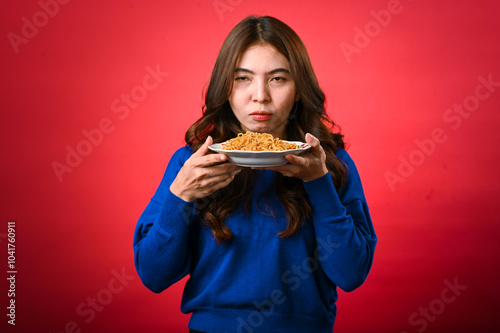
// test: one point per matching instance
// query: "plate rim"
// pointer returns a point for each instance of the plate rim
(260, 165)
(300, 143)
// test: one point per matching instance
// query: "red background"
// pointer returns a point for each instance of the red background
(436, 223)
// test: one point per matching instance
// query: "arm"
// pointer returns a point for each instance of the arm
(160, 239)
(161, 246)
(344, 230)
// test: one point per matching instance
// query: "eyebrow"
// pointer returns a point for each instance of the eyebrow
(274, 71)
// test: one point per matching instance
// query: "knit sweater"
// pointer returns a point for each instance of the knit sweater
(258, 281)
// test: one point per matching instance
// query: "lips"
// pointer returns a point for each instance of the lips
(260, 115)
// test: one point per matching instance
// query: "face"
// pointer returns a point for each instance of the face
(263, 91)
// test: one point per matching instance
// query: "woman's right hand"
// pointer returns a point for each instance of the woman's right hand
(202, 174)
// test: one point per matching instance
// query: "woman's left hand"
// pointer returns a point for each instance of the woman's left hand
(308, 166)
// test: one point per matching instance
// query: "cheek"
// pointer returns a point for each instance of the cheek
(235, 103)
(235, 98)
(288, 101)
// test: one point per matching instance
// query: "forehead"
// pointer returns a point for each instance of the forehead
(262, 58)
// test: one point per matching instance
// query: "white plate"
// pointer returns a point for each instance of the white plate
(259, 158)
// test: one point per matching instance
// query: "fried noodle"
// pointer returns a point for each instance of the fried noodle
(252, 141)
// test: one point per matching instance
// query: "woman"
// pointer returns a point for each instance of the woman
(265, 248)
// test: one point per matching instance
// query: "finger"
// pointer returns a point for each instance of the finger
(203, 150)
(202, 158)
(296, 160)
(224, 169)
(207, 160)
(314, 143)
(214, 183)
(220, 185)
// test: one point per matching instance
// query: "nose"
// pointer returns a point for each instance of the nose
(261, 92)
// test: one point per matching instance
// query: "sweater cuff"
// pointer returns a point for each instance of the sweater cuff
(176, 214)
(323, 197)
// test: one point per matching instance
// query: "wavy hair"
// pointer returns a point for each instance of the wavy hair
(307, 116)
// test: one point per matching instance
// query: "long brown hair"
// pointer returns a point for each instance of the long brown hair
(307, 116)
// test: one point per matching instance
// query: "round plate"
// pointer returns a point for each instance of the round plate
(259, 158)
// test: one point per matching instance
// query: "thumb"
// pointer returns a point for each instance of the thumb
(203, 150)
(313, 142)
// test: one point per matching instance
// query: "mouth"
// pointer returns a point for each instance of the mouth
(260, 115)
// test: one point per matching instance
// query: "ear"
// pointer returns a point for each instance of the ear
(297, 97)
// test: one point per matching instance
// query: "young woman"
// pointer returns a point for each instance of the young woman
(265, 248)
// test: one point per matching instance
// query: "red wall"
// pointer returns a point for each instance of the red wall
(409, 89)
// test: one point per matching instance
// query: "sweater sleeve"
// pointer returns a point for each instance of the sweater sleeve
(344, 231)
(161, 236)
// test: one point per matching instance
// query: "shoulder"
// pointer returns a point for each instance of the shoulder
(176, 162)
(352, 187)
(179, 157)
(346, 160)
(181, 154)
(343, 156)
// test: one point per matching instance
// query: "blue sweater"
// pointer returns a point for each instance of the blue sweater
(258, 282)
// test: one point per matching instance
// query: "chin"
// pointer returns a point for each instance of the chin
(257, 128)
(262, 130)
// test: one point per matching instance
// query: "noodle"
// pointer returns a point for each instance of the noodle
(252, 141)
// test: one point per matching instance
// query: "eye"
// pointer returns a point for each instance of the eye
(279, 78)
(241, 78)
